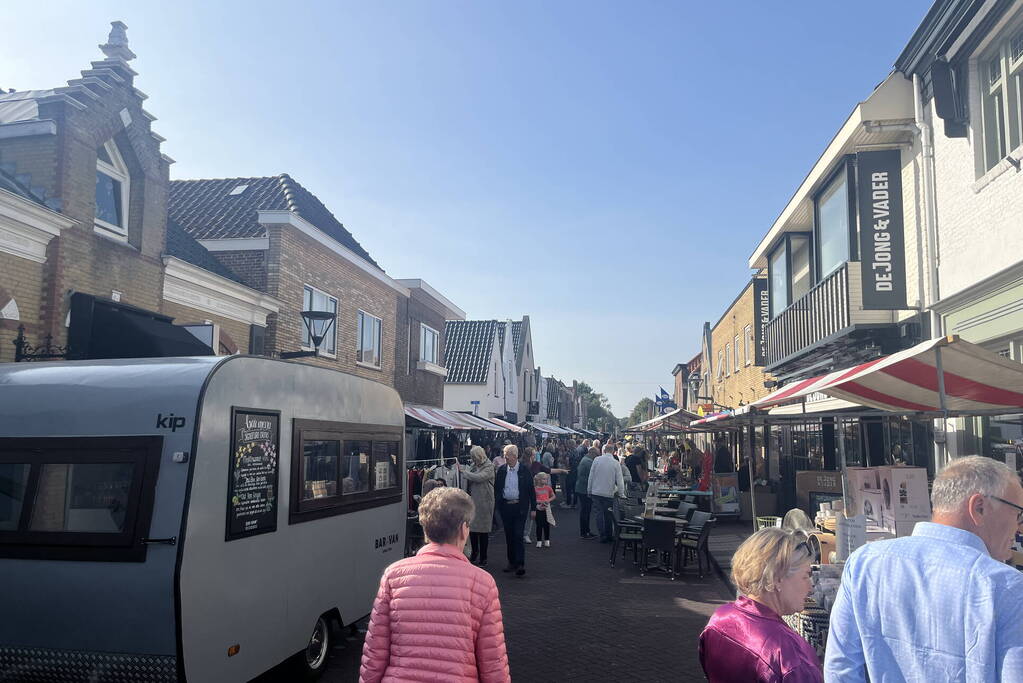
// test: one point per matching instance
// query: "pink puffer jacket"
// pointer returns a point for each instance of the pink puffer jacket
(436, 618)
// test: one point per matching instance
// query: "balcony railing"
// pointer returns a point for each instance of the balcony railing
(820, 313)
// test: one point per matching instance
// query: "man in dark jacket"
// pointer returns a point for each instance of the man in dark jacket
(515, 498)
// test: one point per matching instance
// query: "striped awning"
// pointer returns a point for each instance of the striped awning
(447, 419)
(675, 421)
(943, 374)
(507, 425)
(713, 417)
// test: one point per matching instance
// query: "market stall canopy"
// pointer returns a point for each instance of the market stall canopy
(945, 374)
(550, 429)
(675, 421)
(446, 419)
(507, 425)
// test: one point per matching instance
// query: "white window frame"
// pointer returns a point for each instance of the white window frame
(425, 329)
(721, 364)
(1001, 98)
(118, 172)
(747, 344)
(359, 351)
(735, 354)
(306, 345)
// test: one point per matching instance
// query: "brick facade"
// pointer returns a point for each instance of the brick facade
(736, 384)
(417, 386)
(22, 281)
(295, 260)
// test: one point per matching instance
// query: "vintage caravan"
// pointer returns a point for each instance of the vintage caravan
(197, 519)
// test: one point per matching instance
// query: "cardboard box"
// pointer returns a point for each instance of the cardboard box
(900, 527)
(871, 502)
(816, 482)
(904, 493)
(863, 478)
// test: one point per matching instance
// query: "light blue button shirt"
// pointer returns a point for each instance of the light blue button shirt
(930, 607)
(511, 483)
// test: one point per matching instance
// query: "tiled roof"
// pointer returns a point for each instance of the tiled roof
(553, 398)
(468, 345)
(206, 209)
(184, 247)
(516, 340)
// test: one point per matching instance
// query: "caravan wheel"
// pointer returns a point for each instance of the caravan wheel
(317, 652)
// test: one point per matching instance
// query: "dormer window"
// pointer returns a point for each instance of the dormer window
(112, 183)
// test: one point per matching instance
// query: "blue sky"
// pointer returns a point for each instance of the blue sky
(604, 167)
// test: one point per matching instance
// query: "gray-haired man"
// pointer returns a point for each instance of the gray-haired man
(939, 605)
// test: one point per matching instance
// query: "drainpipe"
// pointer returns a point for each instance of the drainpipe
(930, 200)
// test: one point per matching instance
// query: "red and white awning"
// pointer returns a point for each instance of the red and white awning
(972, 380)
(713, 417)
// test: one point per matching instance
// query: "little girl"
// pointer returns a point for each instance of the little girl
(544, 498)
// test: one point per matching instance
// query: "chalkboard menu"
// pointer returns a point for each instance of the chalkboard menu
(252, 474)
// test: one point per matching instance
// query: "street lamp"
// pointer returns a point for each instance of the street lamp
(317, 324)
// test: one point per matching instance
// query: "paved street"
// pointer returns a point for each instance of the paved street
(573, 617)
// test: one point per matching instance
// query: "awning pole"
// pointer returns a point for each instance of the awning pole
(942, 403)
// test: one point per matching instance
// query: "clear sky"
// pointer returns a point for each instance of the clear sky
(603, 167)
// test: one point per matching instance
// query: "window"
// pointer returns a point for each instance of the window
(315, 300)
(721, 365)
(779, 279)
(429, 340)
(728, 358)
(832, 213)
(342, 467)
(747, 346)
(368, 347)
(77, 498)
(801, 281)
(112, 185)
(1001, 81)
(735, 353)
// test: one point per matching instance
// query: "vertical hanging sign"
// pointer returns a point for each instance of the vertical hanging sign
(882, 235)
(762, 315)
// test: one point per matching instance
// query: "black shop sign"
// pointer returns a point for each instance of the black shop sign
(882, 231)
(253, 472)
(762, 315)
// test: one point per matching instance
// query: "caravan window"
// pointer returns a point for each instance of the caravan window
(77, 498)
(340, 467)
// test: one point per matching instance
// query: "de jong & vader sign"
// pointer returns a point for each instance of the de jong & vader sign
(882, 238)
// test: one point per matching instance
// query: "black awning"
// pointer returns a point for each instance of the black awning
(107, 329)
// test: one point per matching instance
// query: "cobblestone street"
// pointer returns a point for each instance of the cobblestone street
(574, 618)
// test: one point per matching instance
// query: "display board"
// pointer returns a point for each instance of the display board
(726, 494)
(253, 472)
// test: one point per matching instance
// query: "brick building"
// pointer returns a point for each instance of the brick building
(419, 352)
(737, 379)
(83, 221)
(279, 238)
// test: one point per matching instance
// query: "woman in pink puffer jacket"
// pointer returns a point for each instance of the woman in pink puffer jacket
(436, 616)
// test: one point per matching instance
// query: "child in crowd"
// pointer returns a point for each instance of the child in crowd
(544, 498)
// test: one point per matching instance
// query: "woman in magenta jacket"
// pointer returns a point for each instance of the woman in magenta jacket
(747, 640)
(437, 617)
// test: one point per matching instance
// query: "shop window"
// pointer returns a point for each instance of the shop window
(112, 187)
(316, 300)
(429, 341)
(1000, 72)
(342, 467)
(77, 498)
(368, 347)
(833, 210)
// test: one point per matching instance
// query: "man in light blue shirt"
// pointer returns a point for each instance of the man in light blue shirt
(939, 605)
